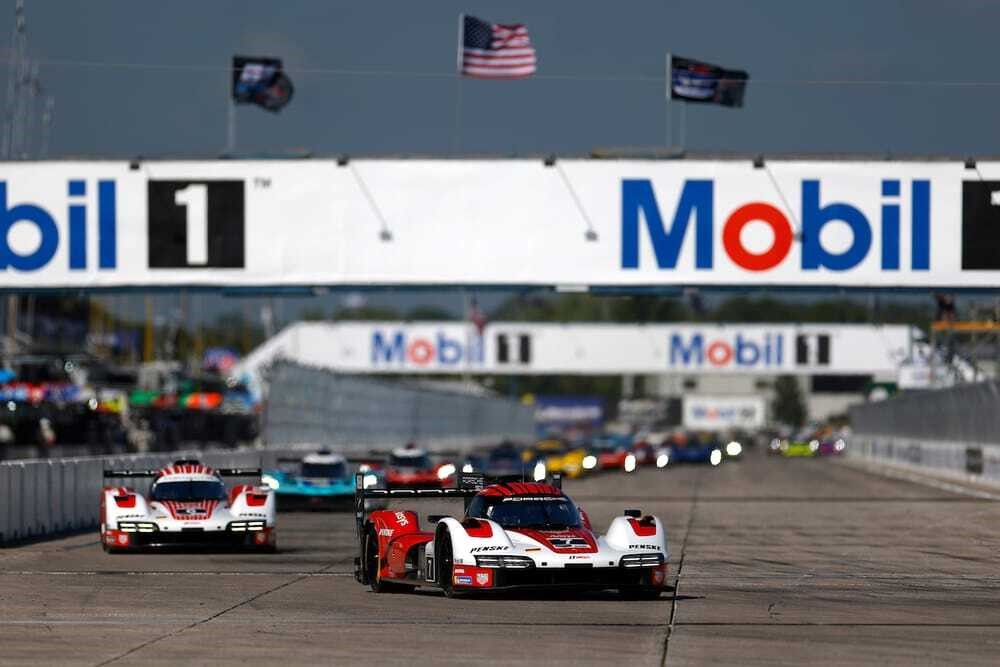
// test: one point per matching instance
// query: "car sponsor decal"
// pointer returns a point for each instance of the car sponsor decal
(483, 578)
(463, 580)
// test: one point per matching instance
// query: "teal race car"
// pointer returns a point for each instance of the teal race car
(320, 480)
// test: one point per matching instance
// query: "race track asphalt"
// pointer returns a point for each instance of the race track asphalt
(774, 561)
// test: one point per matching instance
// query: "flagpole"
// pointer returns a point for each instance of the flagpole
(684, 114)
(456, 138)
(231, 126)
(669, 90)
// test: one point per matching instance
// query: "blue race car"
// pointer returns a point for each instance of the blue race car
(694, 449)
(320, 480)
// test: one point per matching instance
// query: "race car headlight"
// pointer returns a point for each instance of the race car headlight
(137, 527)
(716, 457)
(245, 526)
(504, 561)
(446, 471)
(369, 481)
(662, 460)
(589, 462)
(364, 467)
(630, 463)
(734, 449)
(269, 482)
(467, 467)
(540, 472)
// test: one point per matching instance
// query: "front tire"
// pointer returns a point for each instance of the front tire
(446, 563)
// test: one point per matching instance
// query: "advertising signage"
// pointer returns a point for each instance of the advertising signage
(526, 348)
(590, 223)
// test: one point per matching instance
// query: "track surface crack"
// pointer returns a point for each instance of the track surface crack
(680, 566)
(207, 619)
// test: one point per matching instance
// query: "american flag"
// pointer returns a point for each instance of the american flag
(494, 51)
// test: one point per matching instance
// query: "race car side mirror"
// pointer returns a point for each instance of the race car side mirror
(635, 514)
(585, 519)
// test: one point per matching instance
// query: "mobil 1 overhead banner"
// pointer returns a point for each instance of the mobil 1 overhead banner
(525, 348)
(499, 222)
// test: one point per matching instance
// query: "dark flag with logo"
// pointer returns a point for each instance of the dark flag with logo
(697, 81)
(261, 81)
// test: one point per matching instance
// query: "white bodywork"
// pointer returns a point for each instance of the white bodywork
(244, 514)
(619, 541)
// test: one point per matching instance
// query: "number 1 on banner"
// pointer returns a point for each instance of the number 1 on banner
(194, 199)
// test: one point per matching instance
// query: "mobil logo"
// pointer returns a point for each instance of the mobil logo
(30, 233)
(401, 347)
(725, 351)
(697, 201)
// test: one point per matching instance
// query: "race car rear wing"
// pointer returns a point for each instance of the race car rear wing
(225, 472)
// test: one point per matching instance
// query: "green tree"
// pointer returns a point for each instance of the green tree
(429, 314)
(313, 314)
(788, 406)
(368, 313)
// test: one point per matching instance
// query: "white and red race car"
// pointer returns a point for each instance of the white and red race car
(512, 535)
(187, 505)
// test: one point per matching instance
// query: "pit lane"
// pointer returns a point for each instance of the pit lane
(774, 561)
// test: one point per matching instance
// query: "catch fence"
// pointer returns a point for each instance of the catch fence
(315, 406)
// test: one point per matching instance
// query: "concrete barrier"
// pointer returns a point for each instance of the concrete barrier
(966, 461)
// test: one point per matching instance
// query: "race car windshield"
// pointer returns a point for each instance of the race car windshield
(188, 491)
(327, 470)
(421, 461)
(544, 512)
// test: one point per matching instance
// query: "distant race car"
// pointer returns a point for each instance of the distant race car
(410, 466)
(831, 446)
(694, 449)
(612, 452)
(187, 505)
(803, 445)
(319, 479)
(512, 535)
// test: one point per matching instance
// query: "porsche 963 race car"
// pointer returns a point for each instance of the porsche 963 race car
(187, 505)
(512, 535)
